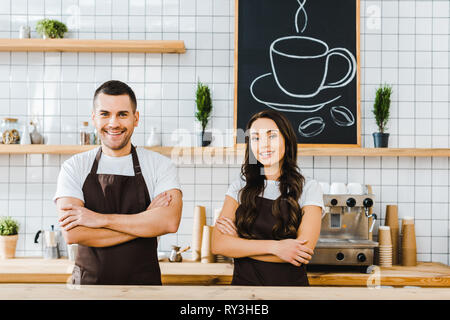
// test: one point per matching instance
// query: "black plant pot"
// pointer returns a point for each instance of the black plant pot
(380, 140)
(205, 138)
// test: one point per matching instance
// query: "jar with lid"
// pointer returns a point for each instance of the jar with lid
(86, 134)
(10, 130)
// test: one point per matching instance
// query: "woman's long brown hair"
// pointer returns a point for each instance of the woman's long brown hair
(291, 183)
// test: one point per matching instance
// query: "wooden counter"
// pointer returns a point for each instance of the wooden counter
(68, 292)
(425, 274)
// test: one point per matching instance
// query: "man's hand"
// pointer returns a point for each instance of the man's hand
(80, 216)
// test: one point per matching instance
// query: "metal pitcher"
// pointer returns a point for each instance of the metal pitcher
(50, 243)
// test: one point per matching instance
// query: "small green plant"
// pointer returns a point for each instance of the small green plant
(51, 28)
(204, 105)
(8, 226)
(381, 106)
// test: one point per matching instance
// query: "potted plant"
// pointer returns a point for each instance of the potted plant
(9, 229)
(49, 28)
(204, 107)
(381, 113)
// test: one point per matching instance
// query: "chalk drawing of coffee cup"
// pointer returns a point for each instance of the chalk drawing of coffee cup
(300, 65)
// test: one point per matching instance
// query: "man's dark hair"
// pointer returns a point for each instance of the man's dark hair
(116, 88)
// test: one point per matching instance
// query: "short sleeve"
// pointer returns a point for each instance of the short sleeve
(234, 188)
(69, 182)
(166, 176)
(312, 195)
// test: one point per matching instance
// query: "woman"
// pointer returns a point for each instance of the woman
(271, 217)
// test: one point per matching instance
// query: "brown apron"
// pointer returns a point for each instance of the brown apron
(251, 272)
(131, 263)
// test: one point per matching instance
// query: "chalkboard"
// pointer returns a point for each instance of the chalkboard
(300, 57)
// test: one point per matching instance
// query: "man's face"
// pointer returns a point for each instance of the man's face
(114, 120)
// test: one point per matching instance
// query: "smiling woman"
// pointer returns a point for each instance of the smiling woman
(271, 218)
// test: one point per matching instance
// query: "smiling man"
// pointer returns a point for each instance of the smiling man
(113, 201)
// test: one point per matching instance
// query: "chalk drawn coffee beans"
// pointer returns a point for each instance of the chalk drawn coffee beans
(342, 116)
(311, 127)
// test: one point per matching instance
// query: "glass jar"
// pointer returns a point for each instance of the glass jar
(10, 129)
(86, 134)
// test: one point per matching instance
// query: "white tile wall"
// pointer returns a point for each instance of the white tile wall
(405, 43)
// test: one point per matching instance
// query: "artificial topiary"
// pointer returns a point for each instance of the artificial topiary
(204, 105)
(51, 28)
(381, 106)
(8, 226)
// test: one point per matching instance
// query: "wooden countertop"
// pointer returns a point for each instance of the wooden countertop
(425, 274)
(68, 292)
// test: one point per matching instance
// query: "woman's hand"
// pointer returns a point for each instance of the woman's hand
(161, 200)
(293, 251)
(226, 226)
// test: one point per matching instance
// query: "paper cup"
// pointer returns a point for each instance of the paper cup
(72, 250)
(206, 255)
(385, 254)
(384, 236)
(392, 222)
(409, 248)
(355, 188)
(407, 220)
(325, 187)
(409, 236)
(409, 257)
(197, 232)
(217, 212)
(338, 188)
(392, 215)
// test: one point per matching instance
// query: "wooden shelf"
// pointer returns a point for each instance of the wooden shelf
(80, 45)
(234, 151)
(375, 152)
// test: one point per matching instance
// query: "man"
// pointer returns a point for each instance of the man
(113, 201)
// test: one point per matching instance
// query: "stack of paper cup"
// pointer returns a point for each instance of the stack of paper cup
(206, 255)
(409, 248)
(392, 222)
(385, 247)
(217, 212)
(197, 232)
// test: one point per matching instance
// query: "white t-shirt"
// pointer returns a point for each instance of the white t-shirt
(159, 173)
(312, 192)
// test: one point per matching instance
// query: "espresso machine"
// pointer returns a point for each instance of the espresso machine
(346, 231)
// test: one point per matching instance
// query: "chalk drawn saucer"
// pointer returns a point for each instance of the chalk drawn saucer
(278, 100)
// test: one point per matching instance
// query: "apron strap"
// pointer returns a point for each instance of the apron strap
(136, 165)
(140, 178)
(96, 161)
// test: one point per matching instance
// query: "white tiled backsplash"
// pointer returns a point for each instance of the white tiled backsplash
(404, 43)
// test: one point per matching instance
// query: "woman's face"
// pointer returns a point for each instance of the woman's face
(267, 142)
